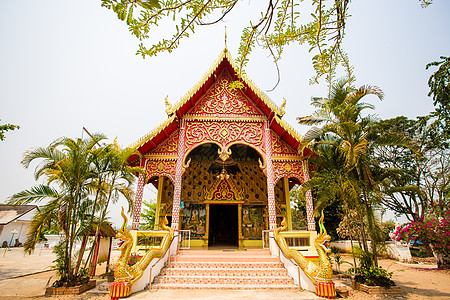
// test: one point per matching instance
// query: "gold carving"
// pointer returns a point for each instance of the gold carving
(130, 274)
(169, 109)
(168, 146)
(224, 155)
(198, 132)
(161, 168)
(324, 271)
(287, 169)
(279, 147)
(223, 189)
(282, 107)
(222, 99)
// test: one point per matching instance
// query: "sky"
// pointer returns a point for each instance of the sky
(65, 65)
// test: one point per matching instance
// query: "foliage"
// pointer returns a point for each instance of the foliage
(387, 228)
(80, 178)
(342, 150)
(373, 276)
(81, 278)
(415, 179)
(6, 127)
(439, 84)
(350, 227)
(148, 215)
(280, 23)
(368, 274)
(434, 231)
(333, 213)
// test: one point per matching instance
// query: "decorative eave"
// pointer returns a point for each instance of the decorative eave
(152, 133)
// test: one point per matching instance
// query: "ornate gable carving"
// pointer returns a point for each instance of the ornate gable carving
(168, 147)
(280, 148)
(224, 190)
(221, 99)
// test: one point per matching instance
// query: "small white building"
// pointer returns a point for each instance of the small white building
(15, 219)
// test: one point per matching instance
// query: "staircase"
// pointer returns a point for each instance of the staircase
(223, 269)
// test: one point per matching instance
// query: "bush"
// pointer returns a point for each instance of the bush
(374, 276)
(367, 273)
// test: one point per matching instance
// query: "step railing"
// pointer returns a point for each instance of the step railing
(184, 240)
(155, 268)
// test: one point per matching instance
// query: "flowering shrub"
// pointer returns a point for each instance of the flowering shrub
(434, 232)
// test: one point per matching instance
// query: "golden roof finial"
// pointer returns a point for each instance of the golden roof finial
(225, 37)
(283, 105)
(168, 106)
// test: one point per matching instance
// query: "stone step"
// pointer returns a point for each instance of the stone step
(206, 269)
(260, 272)
(257, 252)
(223, 258)
(229, 265)
(226, 286)
(235, 280)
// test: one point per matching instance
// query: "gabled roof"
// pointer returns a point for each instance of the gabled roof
(9, 213)
(176, 111)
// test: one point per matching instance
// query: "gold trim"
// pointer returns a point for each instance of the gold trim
(224, 119)
(224, 201)
(289, 129)
(161, 157)
(152, 133)
(288, 158)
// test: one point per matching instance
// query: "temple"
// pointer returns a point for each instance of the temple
(223, 162)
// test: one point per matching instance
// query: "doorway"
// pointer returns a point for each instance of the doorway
(223, 226)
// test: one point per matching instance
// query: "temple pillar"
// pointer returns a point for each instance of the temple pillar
(288, 202)
(270, 179)
(158, 201)
(138, 198)
(178, 178)
(309, 200)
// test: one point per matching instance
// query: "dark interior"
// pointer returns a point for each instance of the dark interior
(223, 226)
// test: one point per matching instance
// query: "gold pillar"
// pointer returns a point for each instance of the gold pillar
(207, 224)
(288, 202)
(158, 201)
(241, 238)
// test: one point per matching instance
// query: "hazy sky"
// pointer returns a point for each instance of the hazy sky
(69, 64)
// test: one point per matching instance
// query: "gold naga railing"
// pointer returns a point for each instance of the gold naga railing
(321, 275)
(125, 275)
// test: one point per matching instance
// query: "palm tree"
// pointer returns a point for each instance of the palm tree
(116, 178)
(66, 169)
(81, 177)
(342, 118)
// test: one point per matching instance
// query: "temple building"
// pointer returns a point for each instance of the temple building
(223, 162)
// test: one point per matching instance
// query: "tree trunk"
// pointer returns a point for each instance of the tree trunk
(442, 260)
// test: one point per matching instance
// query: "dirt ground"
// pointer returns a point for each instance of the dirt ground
(418, 281)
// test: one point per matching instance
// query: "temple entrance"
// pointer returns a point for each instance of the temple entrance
(223, 226)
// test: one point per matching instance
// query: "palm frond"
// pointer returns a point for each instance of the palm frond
(35, 194)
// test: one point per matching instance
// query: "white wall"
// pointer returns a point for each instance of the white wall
(21, 228)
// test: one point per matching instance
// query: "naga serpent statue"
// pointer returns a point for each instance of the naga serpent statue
(125, 275)
(321, 275)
